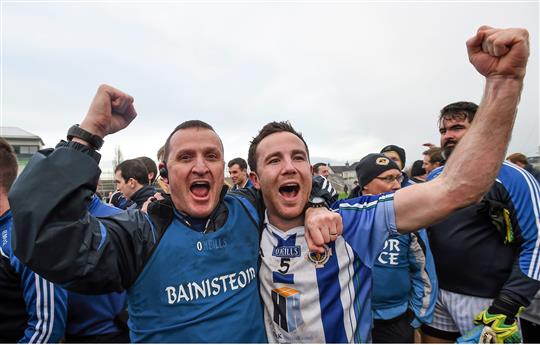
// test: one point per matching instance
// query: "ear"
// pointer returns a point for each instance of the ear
(364, 191)
(255, 179)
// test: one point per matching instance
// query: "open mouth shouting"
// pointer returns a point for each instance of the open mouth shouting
(200, 189)
(289, 191)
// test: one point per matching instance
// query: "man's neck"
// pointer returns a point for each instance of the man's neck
(285, 225)
(4, 203)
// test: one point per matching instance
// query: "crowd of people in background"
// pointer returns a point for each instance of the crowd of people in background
(446, 250)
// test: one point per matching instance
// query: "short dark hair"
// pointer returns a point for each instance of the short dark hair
(268, 129)
(185, 125)
(458, 110)
(133, 168)
(417, 169)
(434, 154)
(150, 165)
(240, 161)
(518, 158)
(8, 165)
(316, 167)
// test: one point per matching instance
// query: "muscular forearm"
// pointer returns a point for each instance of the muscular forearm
(485, 143)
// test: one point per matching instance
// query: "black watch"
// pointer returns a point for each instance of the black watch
(77, 132)
(316, 202)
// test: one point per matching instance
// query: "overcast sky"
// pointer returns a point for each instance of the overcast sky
(352, 76)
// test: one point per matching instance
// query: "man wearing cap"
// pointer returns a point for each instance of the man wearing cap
(397, 154)
(404, 279)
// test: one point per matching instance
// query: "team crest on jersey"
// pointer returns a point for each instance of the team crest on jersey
(319, 259)
(287, 252)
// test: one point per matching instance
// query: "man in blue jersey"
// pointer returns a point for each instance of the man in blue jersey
(486, 254)
(404, 279)
(324, 295)
(190, 265)
(32, 309)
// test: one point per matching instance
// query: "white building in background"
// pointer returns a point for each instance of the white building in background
(24, 143)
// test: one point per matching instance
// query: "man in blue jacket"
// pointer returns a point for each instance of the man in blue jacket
(189, 265)
(32, 309)
(404, 279)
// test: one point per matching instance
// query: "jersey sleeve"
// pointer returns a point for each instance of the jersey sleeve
(367, 223)
(435, 173)
(524, 193)
(46, 306)
(57, 237)
(423, 278)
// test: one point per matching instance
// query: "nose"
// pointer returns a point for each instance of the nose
(288, 166)
(448, 135)
(200, 167)
(396, 185)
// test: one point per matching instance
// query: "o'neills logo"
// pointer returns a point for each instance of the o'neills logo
(320, 259)
(287, 252)
(209, 287)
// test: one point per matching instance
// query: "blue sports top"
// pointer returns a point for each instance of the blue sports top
(212, 296)
(404, 278)
(45, 304)
(325, 298)
(497, 263)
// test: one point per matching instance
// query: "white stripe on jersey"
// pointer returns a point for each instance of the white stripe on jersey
(45, 324)
(420, 258)
(44, 310)
(309, 327)
(305, 290)
(38, 309)
(51, 311)
(534, 268)
(346, 282)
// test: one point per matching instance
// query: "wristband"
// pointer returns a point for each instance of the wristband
(77, 132)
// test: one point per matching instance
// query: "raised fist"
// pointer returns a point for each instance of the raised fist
(111, 110)
(499, 52)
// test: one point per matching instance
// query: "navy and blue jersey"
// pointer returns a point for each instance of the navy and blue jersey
(32, 309)
(474, 257)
